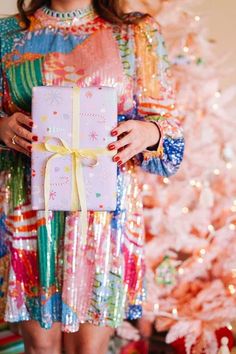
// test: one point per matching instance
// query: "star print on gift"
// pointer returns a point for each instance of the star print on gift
(93, 136)
(53, 97)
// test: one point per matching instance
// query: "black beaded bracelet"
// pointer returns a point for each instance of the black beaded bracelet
(155, 147)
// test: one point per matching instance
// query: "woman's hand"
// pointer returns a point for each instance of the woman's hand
(15, 132)
(134, 137)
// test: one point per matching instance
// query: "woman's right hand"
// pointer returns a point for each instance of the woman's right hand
(15, 132)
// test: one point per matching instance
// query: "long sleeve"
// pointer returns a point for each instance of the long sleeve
(2, 113)
(156, 100)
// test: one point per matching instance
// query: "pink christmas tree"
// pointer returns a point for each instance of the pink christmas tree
(191, 217)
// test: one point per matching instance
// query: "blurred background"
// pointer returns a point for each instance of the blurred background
(219, 17)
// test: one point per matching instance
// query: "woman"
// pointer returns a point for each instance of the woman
(83, 43)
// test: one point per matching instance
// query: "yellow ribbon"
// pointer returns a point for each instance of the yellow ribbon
(78, 189)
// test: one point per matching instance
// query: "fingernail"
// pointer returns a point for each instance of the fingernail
(31, 124)
(114, 132)
(111, 147)
(119, 163)
(29, 147)
(116, 158)
(35, 138)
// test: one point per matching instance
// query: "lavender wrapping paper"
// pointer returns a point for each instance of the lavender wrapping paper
(52, 112)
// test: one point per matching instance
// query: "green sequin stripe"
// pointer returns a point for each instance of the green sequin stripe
(18, 165)
(49, 236)
(22, 79)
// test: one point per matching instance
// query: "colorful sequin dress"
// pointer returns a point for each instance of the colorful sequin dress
(45, 273)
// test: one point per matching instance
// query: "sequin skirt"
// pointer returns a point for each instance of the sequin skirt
(45, 272)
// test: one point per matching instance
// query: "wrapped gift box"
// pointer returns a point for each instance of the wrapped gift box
(81, 119)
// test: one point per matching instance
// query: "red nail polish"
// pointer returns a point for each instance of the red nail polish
(35, 138)
(29, 148)
(119, 163)
(116, 158)
(111, 147)
(31, 124)
(114, 133)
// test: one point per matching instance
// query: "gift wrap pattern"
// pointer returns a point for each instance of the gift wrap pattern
(46, 274)
(82, 119)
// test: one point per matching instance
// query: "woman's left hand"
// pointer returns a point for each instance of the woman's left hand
(135, 136)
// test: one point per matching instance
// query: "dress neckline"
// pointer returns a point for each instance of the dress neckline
(78, 14)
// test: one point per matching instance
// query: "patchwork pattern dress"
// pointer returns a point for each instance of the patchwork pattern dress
(45, 272)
